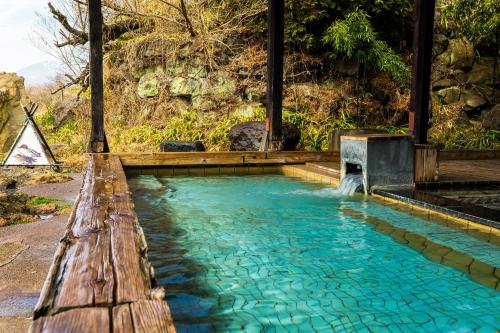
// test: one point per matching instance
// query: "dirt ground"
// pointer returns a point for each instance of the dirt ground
(26, 252)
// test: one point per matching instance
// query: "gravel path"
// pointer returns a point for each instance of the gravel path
(26, 253)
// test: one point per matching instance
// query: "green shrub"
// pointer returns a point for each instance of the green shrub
(36, 201)
(46, 119)
(355, 38)
(478, 20)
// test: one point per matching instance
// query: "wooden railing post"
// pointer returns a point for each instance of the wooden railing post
(275, 53)
(98, 142)
(422, 61)
(426, 163)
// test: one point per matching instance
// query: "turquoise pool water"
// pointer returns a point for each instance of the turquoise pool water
(274, 254)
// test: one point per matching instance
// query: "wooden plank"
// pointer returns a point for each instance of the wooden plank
(449, 155)
(98, 143)
(122, 319)
(177, 159)
(133, 281)
(303, 157)
(152, 317)
(88, 320)
(422, 61)
(425, 163)
(275, 54)
(91, 212)
(87, 274)
(469, 171)
(101, 263)
(223, 158)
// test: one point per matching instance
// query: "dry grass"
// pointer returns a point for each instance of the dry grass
(50, 178)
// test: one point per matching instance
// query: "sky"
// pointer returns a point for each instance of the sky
(17, 23)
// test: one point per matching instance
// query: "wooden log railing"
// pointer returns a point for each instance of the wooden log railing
(100, 279)
(224, 158)
(451, 155)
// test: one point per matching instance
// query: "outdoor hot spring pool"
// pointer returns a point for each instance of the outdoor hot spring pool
(275, 254)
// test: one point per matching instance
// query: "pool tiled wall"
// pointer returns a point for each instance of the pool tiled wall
(206, 171)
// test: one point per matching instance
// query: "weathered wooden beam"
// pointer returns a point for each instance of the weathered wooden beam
(450, 155)
(425, 163)
(98, 142)
(422, 61)
(223, 158)
(102, 263)
(85, 320)
(275, 53)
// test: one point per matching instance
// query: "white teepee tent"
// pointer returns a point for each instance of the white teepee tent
(30, 147)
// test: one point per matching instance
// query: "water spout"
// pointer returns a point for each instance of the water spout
(351, 183)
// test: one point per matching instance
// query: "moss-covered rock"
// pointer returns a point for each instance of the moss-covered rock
(149, 86)
(185, 87)
(248, 110)
(491, 118)
(449, 95)
(443, 83)
(256, 93)
(203, 104)
(223, 86)
(461, 53)
(440, 44)
(481, 73)
(473, 100)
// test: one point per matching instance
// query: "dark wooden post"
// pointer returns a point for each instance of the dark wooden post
(422, 61)
(98, 142)
(275, 53)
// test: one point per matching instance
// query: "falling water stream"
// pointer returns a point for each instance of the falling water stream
(350, 184)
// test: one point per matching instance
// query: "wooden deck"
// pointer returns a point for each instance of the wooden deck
(469, 170)
(101, 279)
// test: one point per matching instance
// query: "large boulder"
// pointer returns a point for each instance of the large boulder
(11, 114)
(450, 95)
(222, 86)
(474, 100)
(491, 118)
(185, 87)
(461, 53)
(482, 72)
(202, 103)
(248, 136)
(180, 146)
(65, 111)
(443, 83)
(440, 44)
(149, 86)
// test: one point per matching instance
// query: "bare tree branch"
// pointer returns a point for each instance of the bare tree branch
(182, 9)
(79, 35)
(82, 80)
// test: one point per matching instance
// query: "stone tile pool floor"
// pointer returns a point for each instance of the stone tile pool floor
(274, 254)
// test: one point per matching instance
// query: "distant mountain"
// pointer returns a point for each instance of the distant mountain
(40, 73)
